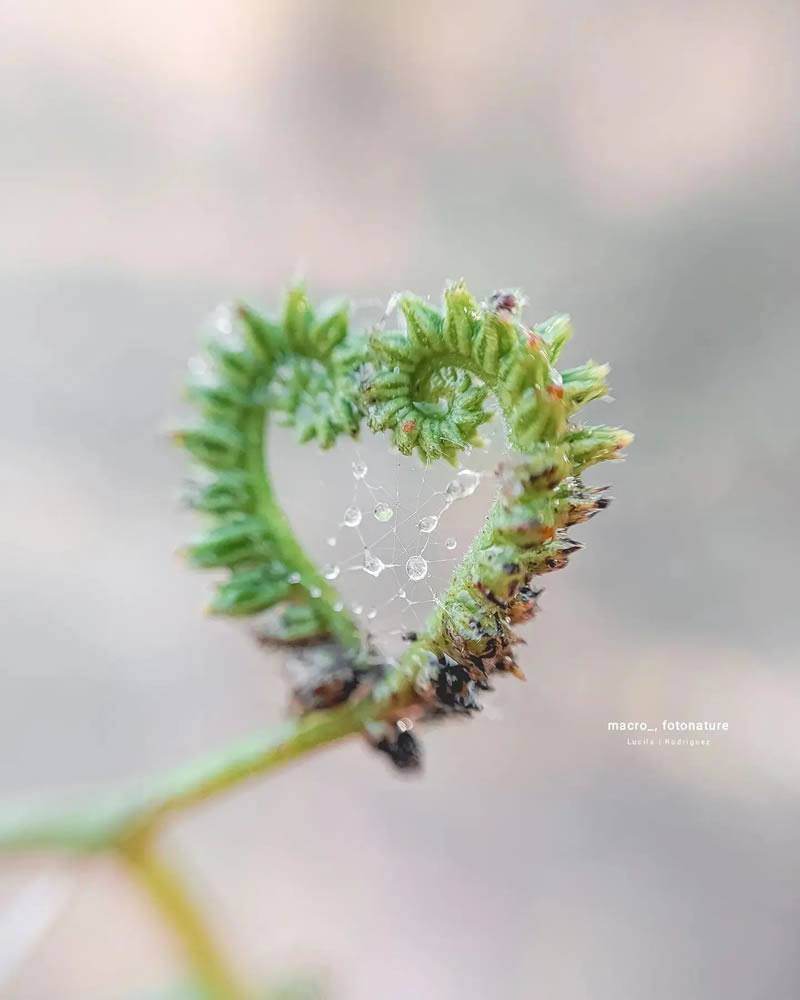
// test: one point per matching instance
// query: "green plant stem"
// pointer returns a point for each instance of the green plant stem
(210, 970)
(115, 821)
(338, 623)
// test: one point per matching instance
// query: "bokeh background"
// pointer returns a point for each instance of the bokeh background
(633, 163)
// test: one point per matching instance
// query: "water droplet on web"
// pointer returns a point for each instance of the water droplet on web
(352, 517)
(470, 479)
(464, 485)
(450, 543)
(417, 568)
(359, 469)
(338, 606)
(332, 540)
(401, 593)
(330, 572)
(428, 524)
(372, 613)
(357, 609)
(315, 592)
(373, 565)
(294, 578)
(383, 512)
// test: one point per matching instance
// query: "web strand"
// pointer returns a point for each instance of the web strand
(396, 534)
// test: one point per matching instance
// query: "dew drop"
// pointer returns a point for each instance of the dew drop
(332, 540)
(352, 517)
(471, 481)
(373, 565)
(315, 592)
(383, 512)
(330, 572)
(417, 568)
(294, 578)
(338, 606)
(357, 609)
(428, 524)
(450, 543)
(372, 613)
(359, 469)
(464, 485)
(401, 593)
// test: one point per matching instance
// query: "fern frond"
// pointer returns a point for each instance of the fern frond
(429, 386)
(429, 390)
(303, 369)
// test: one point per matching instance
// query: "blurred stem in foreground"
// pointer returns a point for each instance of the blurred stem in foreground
(127, 825)
(126, 817)
(211, 972)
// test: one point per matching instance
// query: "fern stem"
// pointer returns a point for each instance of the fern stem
(166, 891)
(113, 823)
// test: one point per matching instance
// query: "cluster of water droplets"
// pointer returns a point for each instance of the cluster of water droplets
(396, 539)
(463, 485)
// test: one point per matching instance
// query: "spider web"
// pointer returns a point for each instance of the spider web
(394, 548)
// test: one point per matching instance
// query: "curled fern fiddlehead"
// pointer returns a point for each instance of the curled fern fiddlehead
(430, 387)
(430, 390)
(301, 369)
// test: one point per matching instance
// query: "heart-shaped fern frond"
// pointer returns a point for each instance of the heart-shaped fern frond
(431, 387)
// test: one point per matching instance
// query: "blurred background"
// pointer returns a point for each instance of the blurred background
(634, 164)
